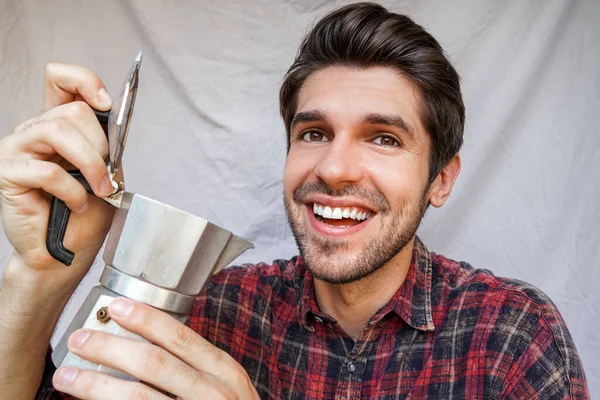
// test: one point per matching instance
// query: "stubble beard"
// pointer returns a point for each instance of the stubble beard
(325, 259)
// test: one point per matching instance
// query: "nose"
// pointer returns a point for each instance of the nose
(341, 163)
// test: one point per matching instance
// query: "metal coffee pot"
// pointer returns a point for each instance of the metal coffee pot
(154, 253)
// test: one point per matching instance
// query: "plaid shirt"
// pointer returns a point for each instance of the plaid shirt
(450, 331)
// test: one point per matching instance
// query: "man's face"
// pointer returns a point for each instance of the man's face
(356, 176)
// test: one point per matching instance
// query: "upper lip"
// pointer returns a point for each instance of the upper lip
(337, 202)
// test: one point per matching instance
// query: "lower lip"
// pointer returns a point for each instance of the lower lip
(334, 231)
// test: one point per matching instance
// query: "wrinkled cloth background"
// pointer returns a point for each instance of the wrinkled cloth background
(206, 136)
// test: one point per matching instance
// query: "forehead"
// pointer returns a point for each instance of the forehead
(349, 93)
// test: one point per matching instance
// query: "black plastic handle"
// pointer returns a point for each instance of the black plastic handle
(60, 213)
(57, 224)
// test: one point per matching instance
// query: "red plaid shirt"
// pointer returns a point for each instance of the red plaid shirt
(449, 331)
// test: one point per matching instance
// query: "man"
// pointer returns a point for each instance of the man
(374, 118)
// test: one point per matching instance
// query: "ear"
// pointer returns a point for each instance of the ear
(442, 185)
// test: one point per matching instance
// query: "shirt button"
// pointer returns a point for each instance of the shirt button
(351, 366)
(318, 319)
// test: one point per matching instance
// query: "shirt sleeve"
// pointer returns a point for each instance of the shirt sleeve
(550, 368)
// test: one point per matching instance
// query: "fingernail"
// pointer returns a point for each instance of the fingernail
(79, 337)
(65, 376)
(106, 186)
(103, 98)
(121, 307)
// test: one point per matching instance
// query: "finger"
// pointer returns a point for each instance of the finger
(81, 116)
(170, 334)
(63, 82)
(92, 385)
(145, 361)
(62, 138)
(25, 174)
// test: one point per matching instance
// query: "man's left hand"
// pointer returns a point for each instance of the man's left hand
(177, 361)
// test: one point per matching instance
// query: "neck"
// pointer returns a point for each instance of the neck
(353, 304)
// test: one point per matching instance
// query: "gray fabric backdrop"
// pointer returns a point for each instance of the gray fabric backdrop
(206, 136)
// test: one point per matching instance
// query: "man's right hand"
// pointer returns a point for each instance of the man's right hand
(33, 163)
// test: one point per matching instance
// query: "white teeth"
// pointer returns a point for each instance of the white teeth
(337, 213)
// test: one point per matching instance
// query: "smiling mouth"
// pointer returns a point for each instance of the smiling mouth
(342, 217)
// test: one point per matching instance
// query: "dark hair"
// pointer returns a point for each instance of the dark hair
(366, 35)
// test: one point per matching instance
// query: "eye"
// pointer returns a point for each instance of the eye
(314, 136)
(387, 141)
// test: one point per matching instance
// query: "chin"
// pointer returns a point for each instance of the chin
(332, 262)
(338, 276)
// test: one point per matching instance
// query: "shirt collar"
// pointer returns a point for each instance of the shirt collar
(411, 302)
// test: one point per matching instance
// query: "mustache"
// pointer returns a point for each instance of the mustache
(372, 197)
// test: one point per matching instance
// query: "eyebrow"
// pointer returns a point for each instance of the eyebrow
(307, 116)
(390, 120)
(370, 118)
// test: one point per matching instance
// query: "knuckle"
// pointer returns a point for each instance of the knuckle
(144, 320)
(156, 360)
(226, 393)
(90, 166)
(80, 196)
(184, 337)
(49, 69)
(140, 391)
(242, 378)
(189, 375)
(227, 360)
(96, 343)
(57, 126)
(51, 172)
(88, 381)
(78, 109)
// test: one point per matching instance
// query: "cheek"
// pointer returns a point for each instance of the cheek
(296, 170)
(398, 179)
